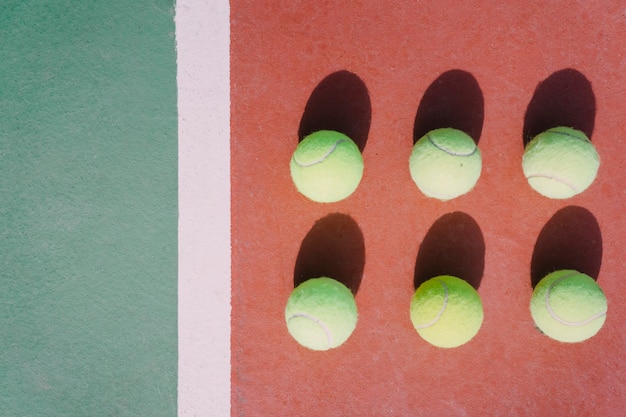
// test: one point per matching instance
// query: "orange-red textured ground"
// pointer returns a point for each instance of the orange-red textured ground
(386, 71)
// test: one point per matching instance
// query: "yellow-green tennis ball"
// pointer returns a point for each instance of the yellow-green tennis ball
(321, 313)
(446, 311)
(560, 162)
(327, 166)
(445, 163)
(568, 306)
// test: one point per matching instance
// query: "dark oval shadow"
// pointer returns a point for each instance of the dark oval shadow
(333, 248)
(454, 100)
(571, 239)
(565, 98)
(454, 245)
(340, 102)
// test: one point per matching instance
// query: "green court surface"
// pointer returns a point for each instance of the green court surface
(88, 208)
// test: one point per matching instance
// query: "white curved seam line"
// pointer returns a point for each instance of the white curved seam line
(448, 151)
(322, 158)
(560, 320)
(329, 335)
(572, 136)
(554, 177)
(443, 307)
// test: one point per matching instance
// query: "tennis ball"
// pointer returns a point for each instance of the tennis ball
(560, 162)
(445, 163)
(327, 166)
(321, 313)
(568, 306)
(446, 311)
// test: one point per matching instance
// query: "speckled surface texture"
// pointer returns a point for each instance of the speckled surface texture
(88, 208)
(387, 73)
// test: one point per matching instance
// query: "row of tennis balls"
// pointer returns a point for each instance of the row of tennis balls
(559, 163)
(446, 311)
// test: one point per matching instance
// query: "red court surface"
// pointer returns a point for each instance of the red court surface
(385, 72)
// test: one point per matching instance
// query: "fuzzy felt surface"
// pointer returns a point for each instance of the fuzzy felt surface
(446, 311)
(445, 163)
(560, 162)
(326, 166)
(321, 313)
(568, 306)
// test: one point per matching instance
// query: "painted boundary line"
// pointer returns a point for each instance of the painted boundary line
(203, 41)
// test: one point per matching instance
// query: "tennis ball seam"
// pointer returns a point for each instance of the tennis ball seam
(560, 162)
(449, 151)
(322, 158)
(561, 320)
(443, 307)
(329, 335)
(558, 132)
(555, 178)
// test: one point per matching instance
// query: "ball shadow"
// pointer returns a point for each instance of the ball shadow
(571, 239)
(340, 102)
(333, 248)
(454, 245)
(454, 100)
(565, 98)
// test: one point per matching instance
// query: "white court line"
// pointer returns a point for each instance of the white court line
(203, 38)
